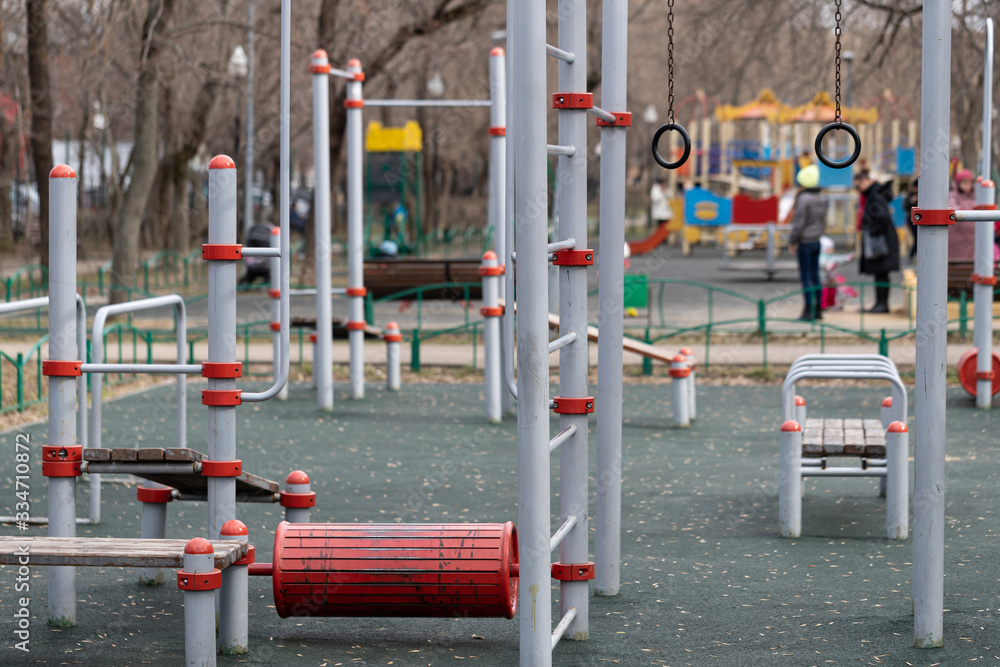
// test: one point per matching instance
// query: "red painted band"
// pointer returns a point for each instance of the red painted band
(275, 326)
(393, 338)
(319, 69)
(572, 100)
(222, 369)
(249, 559)
(572, 571)
(573, 406)
(65, 369)
(937, 217)
(61, 469)
(985, 207)
(202, 581)
(62, 453)
(680, 372)
(221, 252)
(357, 291)
(359, 76)
(491, 311)
(313, 338)
(491, 270)
(356, 326)
(984, 280)
(498, 131)
(622, 119)
(274, 293)
(354, 104)
(221, 397)
(573, 258)
(298, 500)
(985, 375)
(222, 468)
(144, 495)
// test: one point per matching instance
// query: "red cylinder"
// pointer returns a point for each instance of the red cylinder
(967, 372)
(417, 570)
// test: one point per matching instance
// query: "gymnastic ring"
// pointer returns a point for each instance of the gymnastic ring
(676, 127)
(830, 128)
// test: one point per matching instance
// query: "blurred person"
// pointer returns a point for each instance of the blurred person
(879, 241)
(962, 237)
(808, 225)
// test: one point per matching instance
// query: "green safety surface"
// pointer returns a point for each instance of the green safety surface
(706, 578)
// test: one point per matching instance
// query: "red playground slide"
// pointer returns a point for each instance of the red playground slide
(650, 243)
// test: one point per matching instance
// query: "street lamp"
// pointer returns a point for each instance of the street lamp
(848, 57)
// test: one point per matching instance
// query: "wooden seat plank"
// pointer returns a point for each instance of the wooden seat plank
(110, 551)
(124, 454)
(853, 423)
(150, 454)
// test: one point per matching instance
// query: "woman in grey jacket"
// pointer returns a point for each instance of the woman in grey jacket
(808, 224)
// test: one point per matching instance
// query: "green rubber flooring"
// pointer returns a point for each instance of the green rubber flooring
(706, 579)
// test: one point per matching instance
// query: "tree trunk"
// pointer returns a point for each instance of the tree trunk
(8, 158)
(180, 218)
(41, 113)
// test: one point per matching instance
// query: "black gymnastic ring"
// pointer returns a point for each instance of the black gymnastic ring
(677, 127)
(844, 163)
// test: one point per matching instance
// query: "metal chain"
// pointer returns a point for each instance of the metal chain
(838, 32)
(670, 61)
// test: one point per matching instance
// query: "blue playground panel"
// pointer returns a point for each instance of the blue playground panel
(835, 178)
(906, 161)
(704, 209)
(898, 212)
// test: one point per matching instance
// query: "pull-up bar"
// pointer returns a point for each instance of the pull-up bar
(428, 103)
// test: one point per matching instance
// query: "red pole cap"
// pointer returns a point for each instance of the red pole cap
(799, 400)
(222, 162)
(887, 402)
(233, 527)
(354, 62)
(320, 53)
(897, 427)
(979, 179)
(988, 183)
(489, 256)
(198, 545)
(496, 52)
(679, 359)
(276, 231)
(297, 477)
(392, 325)
(687, 351)
(62, 171)
(790, 426)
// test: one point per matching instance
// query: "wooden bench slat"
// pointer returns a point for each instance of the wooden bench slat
(124, 454)
(111, 551)
(96, 454)
(150, 454)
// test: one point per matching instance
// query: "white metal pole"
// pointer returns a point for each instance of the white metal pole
(234, 632)
(248, 176)
(800, 410)
(490, 274)
(298, 498)
(355, 229)
(275, 295)
(323, 352)
(531, 217)
(611, 295)
(393, 338)
(63, 353)
(498, 189)
(897, 497)
(199, 605)
(932, 319)
(983, 266)
(790, 480)
(680, 374)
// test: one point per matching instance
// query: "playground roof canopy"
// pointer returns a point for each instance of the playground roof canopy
(822, 110)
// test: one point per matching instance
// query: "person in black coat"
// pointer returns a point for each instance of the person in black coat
(876, 220)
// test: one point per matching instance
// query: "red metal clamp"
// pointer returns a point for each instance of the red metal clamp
(359, 76)
(275, 326)
(984, 280)
(144, 495)
(491, 270)
(66, 369)
(224, 370)
(572, 100)
(313, 338)
(622, 119)
(221, 397)
(274, 293)
(356, 326)
(680, 372)
(201, 581)
(573, 406)
(985, 375)
(491, 311)
(937, 217)
(61, 460)
(222, 468)
(985, 207)
(357, 291)
(498, 131)
(249, 559)
(573, 258)
(221, 252)
(354, 104)
(572, 571)
(393, 338)
(299, 500)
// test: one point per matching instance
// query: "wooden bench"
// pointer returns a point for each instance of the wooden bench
(388, 276)
(338, 328)
(843, 437)
(960, 277)
(110, 551)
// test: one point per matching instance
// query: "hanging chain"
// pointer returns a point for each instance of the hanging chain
(670, 61)
(838, 32)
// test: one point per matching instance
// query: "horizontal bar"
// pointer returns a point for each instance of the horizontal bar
(562, 437)
(343, 74)
(602, 114)
(138, 469)
(561, 342)
(843, 472)
(555, 149)
(977, 216)
(428, 103)
(194, 497)
(821, 463)
(260, 252)
(311, 291)
(26, 304)
(41, 520)
(154, 369)
(563, 531)
(563, 624)
(556, 52)
(567, 244)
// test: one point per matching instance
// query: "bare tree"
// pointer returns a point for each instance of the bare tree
(41, 112)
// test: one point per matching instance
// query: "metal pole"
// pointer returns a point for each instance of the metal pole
(275, 294)
(679, 374)
(355, 230)
(534, 592)
(222, 396)
(692, 384)
(607, 549)
(154, 498)
(897, 496)
(790, 480)
(233, 596)
(248, 176)
(491, 312)
(392, 361)
(574, 362)
(62, 386)
(932, 318)
(199, 605)
(982, 335)
(297, 498)
(498, 189)
(323, 351)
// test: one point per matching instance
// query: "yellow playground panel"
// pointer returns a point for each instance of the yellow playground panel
(406, 139)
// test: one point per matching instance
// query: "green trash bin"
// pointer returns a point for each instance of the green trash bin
(636, 291)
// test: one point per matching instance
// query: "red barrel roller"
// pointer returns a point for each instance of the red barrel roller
(423, 570)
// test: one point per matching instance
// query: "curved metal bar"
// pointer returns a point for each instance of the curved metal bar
(899, 398)
(843, 164)
(668, 127)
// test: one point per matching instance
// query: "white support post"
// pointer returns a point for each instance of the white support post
(298, 498)
(897, 497)
(790, 480)
(323, 352)
(498, 187)
(393, 338)
(355, 229)
(234, 632)
(985, 282)
(680, 374)
(692, 383)
(199, 603)
(275, 295)
(62, 455)
(491, 272)
(800, 410)
(154, 498)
